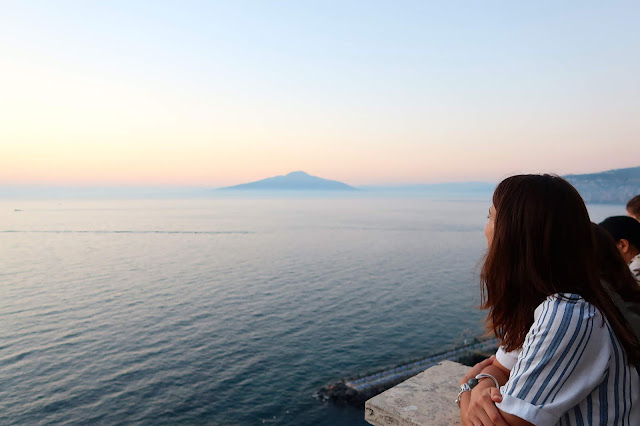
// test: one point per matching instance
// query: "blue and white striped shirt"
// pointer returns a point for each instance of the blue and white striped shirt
(571, 370)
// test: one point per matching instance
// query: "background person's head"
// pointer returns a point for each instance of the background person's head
(633, 208)
(613, 268)
(626, 233)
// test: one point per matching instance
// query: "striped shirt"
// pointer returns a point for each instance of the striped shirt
(571, 369)
(634, 265)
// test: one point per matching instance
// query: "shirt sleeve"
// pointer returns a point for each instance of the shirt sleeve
(507, 359)
(634, 266)
(564, 357)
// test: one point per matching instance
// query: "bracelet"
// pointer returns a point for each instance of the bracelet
(466, 387)
(463, 388)
(488, 376)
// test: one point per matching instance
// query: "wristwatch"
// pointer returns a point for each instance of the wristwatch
(466, 387)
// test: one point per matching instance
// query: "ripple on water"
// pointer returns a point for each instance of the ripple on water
(199, 327)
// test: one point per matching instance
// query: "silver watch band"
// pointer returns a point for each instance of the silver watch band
(463, 388)
(488, 376)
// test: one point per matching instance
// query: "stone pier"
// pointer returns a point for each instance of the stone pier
(425, 399)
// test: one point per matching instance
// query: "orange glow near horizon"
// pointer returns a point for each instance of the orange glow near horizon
(81, 106)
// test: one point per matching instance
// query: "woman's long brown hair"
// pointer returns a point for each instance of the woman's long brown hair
(542, 245)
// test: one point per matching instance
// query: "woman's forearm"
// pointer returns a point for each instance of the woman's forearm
(464, 407)
(477, 403)
(501, 375)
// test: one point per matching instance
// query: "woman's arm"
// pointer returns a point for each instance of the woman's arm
(509, 419)
(473, 372)
(477, 407)
(564, 358)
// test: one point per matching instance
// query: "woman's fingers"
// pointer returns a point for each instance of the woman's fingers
(477, 369)
(475, 421)
(485, 420)
(482, 408)
(493, 414)
(482, 364)
(492, 410)
(496, 396)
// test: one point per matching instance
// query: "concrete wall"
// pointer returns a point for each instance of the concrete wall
(425, 399)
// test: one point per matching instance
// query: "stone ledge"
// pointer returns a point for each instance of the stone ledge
(425, 399)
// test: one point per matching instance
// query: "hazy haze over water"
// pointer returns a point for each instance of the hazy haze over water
(225, 310)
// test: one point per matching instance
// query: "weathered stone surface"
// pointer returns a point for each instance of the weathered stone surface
(425, 399)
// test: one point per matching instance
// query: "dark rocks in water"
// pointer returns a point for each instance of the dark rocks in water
(357, 391)
(340, 393)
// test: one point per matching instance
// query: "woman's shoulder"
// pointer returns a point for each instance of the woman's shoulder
(566, 355)
(565, 310)
(564, 302)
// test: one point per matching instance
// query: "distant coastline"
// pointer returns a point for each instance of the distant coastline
(609, 187)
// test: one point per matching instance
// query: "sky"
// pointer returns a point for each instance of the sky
(217, 93)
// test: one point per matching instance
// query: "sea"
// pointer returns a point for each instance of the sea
(227, 310)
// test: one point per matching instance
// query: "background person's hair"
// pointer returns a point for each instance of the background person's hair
(633, 206)
(623, 228)
(542, 245)
(613, 269)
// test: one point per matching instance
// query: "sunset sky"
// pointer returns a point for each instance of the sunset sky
(366, 92)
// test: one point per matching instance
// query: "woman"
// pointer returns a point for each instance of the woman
(567, 354)
(617, 278)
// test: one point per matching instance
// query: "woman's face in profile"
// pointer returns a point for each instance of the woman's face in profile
(488, 229)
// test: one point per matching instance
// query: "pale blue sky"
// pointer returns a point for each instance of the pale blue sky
(361, 91)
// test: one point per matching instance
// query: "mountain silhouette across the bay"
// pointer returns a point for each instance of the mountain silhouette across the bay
(613, 186)
(294, 181)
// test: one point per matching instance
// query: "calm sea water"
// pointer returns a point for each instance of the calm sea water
(225, 310)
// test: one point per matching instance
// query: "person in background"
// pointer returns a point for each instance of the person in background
(626, 233)
(568, 355)
(617, 277)
(633, 208)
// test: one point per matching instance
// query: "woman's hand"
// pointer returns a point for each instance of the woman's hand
(477, 369)
(482, 409)
(464, 399)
